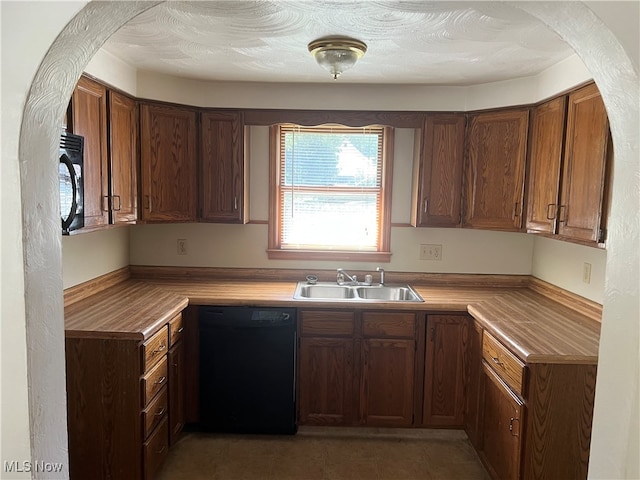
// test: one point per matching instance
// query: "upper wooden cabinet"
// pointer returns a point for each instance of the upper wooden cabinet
(439, 171)
(495, 167)
(222, 166)
(567, 170)
(89, 119)
(168, 160)
(545, 158)
(123, 137)
(583, 173)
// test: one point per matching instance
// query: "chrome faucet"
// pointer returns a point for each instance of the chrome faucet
(340, 277)
(381, 270)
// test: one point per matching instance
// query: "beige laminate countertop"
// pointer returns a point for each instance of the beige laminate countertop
(537, 329)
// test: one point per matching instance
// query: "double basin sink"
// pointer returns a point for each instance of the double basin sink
(359, 293)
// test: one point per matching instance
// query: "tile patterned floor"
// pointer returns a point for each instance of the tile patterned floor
(325, 454)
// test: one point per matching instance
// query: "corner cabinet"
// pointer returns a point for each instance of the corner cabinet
(570, 151)
(495, 169)
(223, 168)
(439, 164)
(168, 160)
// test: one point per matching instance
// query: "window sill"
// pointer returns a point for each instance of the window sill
(352, 256)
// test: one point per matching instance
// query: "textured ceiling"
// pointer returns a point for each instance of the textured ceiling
(417, 42)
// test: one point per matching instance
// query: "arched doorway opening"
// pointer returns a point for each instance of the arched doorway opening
(52, 86)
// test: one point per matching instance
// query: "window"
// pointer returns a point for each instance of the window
(331, 192)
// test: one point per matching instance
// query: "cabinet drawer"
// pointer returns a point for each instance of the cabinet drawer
(384, 324)
(153, 381)
(155, 412)
(505, 363)
(327, 323)
(176, 327)
(155, 450)
(155, 348)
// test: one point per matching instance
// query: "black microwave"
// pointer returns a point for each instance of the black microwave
(71, 183)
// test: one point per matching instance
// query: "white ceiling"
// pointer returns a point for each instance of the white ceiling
(409, 42)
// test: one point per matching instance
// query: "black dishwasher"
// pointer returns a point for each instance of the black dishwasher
(247, 369)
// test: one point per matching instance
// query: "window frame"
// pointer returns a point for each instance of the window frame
(382, 255)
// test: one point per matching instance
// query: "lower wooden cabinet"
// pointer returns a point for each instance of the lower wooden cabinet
(121, 401)
(446, 347)
(472, 382)
(356, 368)
(502, 413)
(177, 413)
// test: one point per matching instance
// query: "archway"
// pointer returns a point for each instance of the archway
(54, 82)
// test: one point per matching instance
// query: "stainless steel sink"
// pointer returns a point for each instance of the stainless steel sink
(359, 293)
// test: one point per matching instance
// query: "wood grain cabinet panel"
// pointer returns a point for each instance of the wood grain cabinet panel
(223, 169)
(473, 374)
(123, 157)
(168, 157)
(177, 391)
(583, 174)
(439, 171)
(89, 119)
(495, 168)
(446, 344)
(545, 160)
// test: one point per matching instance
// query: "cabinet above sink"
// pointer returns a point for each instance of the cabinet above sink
(358, 293)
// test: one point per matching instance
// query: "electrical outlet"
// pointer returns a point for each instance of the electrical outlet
(182, 246)
(586, 272)
(431, 252)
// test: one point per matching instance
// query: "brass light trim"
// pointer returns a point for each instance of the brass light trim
(337, 54)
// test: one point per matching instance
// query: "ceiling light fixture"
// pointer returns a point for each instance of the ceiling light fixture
(337, 54)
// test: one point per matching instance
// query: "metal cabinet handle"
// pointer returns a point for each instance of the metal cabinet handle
(562, 214)
(180, 329)
(513, 419)
(235, 202)
(426, 205)
(106, 203)
(160, 381)
(159, 349)
(119, 203)
(148, 202)
(160, 412)
(554, 214)
(497, 361)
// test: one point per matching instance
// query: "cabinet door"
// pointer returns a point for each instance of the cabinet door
(447, 337)
(583, 181)
(325, 381)
(494, 177)
(89, 111)
(387, 388)
(440, 171)
(168, 163)
(123, 136)
(547, 132)
(502, 423)
(473, 375)
(222, 168)
(176, 361)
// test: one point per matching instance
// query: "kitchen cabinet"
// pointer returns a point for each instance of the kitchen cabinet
(446, 346)
(388, 368)
(524, 406)
(587, 147)
(120, 403)
(326, 367)
(223, 168)
(472, 357)
(108, 121)
(89, 119)
(177, 379)
(168, 160)
(439, 166)
(495, 169)
(567, 176)
(356, 368)
(123, 157)
(501, 429)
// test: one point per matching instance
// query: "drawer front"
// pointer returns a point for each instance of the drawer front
(155, 348)
(327, 323)
(155, 450)
(388, 324)
(154, 381)
(176, 327)
(505, 363)
(155, 412)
